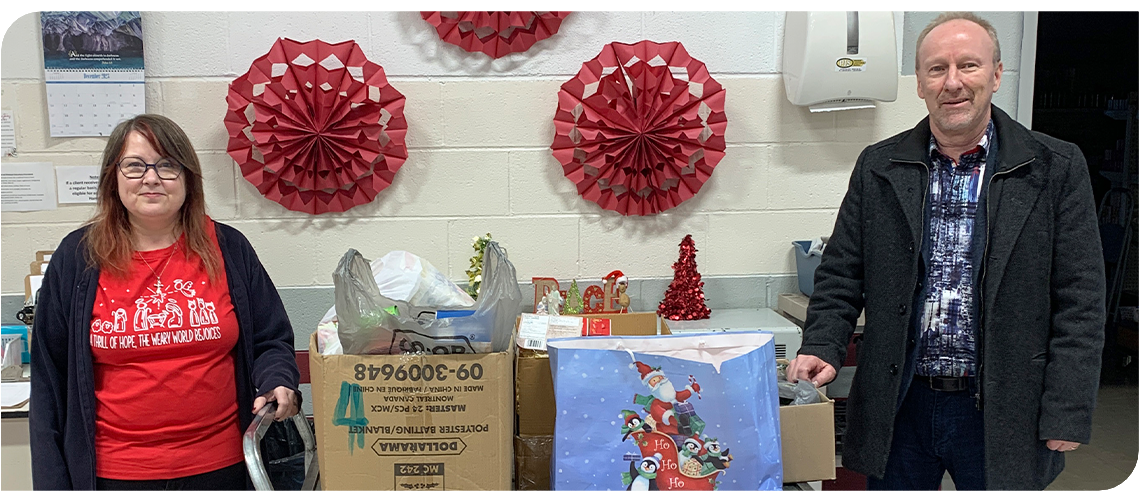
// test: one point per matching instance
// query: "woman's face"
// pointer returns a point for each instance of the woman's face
(150, 200)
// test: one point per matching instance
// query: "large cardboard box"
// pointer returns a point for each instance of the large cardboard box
(532, 462)
(534, 400)
(534, 396)
(807, 437)
(384, 423)
(534, 387)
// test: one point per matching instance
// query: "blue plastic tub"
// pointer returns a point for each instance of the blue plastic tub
(805, 266)
(21, 330)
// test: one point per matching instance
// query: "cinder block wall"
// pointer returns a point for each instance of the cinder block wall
(479, 158)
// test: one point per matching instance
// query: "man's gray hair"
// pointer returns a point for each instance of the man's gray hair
(966, 16)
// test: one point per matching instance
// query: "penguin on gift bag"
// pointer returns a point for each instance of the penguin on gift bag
(633, 423)
(714, 458)
(643, 476)
(688, 459)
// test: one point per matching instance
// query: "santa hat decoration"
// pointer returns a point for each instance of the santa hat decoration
(618, 275)
(646, 372)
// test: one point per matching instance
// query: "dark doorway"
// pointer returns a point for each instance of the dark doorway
(1085, 92)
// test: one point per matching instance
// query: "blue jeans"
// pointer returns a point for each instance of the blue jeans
(935, 432)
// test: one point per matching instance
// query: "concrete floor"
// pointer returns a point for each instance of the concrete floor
(1110, 457)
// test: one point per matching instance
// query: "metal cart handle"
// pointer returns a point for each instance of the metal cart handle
(251, 444)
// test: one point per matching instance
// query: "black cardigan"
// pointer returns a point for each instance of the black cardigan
(62, 406)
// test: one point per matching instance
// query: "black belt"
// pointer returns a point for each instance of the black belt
(944, 383)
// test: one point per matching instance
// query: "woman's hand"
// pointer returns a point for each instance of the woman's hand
(286, 400)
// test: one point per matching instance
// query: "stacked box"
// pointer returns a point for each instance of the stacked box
(413, 422)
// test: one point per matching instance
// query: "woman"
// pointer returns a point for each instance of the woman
(157, 333)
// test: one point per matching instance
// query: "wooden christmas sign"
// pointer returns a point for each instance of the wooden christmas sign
(608, 298)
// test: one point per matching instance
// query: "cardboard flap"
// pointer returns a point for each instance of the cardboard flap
(708, 348)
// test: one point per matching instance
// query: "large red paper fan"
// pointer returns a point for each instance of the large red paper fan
(640, 128)
(316, 127)
(495, 33)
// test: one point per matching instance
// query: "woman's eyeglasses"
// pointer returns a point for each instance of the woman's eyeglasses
(165, 168)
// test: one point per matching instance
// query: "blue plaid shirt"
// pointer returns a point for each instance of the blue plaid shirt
(947, 330)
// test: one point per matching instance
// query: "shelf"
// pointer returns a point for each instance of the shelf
(1117, 178)
(1117, 114)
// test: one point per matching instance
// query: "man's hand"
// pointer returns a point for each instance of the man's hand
(286, 400)
(1061, 445)
(811, 368)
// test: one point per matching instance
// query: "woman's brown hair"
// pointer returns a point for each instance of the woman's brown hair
(108, 236)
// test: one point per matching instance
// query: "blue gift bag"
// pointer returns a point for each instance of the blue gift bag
(674, 412)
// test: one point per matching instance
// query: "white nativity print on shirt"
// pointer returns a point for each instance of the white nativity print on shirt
(142, 310)
(175, 314)
(202, 313)
(160, 315)
(119, 325)
(157, 295)
(120, 316)
(101, 327)
(184, 287)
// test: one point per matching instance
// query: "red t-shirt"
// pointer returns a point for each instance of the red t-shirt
(165, 394)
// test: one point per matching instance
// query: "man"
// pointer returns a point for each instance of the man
(972, 245)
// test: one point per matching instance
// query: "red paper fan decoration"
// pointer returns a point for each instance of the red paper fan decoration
(316, 126)
(640, 127)
(495, 33)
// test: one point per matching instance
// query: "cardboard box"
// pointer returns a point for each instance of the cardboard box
(534, 400)
(534, 387)
(534, 396)
(532, 461)
(382, 424)
(807, 437)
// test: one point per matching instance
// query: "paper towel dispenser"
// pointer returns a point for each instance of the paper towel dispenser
(840, 60)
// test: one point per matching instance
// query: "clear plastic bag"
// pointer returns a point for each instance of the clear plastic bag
(799, 393)
(365, 324)
(532, 461)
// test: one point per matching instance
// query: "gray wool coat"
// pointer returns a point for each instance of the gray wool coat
(1041, 299)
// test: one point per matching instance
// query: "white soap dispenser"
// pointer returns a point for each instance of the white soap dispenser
(840, 60)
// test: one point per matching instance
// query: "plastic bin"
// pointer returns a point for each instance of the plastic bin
(22, 331)
(805, 266)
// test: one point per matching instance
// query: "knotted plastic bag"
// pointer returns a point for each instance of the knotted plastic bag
(371, 323)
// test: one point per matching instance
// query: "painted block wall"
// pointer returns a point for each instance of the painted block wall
(479, 136)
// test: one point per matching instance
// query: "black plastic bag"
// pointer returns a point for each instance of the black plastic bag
(283, 453)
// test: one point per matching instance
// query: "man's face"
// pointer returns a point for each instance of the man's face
(957, 77)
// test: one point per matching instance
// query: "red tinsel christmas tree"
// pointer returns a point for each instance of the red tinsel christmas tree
(685, 300)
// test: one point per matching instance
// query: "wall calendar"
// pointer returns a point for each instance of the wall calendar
(93, 69)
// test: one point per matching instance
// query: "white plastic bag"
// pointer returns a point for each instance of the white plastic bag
(328, 342)
(403, 276)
